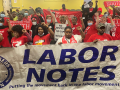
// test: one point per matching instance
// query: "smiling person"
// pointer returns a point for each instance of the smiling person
(101, 35)
(70, 38)
(42, 37)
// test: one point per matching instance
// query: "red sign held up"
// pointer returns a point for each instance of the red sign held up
(25, 24)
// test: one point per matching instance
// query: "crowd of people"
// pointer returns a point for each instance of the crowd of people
(94, 27)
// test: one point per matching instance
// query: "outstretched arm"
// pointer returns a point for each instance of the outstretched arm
(53, 16)
(81, 32)
(10, 27)
(69, 23)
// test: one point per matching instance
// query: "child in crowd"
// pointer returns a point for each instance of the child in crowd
(21, 36)
(42, 37)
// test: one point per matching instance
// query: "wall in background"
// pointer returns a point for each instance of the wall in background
(53, 4)
(1, 5)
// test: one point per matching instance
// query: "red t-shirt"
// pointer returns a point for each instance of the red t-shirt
(62, 10)
(5, 41)
(115, 33)
(74, 28)
(90, 30)
(27, 19)
(90, 9)
(5, 21)
(104, 37)
(44, 40)
(111, 12)
(19, 41)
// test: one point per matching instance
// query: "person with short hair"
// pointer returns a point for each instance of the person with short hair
(20, 16)
(70, 38)
(101, 35)
(63, 20)
(75, 25)
(21, 36)
(63, 8)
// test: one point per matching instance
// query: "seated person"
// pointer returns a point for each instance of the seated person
(42, 36)
(70, 38)
(101, 35)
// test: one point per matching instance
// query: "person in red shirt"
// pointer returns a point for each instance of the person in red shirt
(63, 8)
(21, 36)
(4, 32)
(42, 37)
(100, 36)
(75, 25)
(90, 30)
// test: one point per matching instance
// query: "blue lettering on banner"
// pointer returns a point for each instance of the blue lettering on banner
(51, 56)
(63, 56)
(111, 74)
(111, 54)
(95, 55)
(88, 73)
(33, 71)
(50, 78)
(10, 72)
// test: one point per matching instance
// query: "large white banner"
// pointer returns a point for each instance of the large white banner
(82, 66)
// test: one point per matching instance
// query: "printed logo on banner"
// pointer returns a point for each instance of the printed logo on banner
(6, 72)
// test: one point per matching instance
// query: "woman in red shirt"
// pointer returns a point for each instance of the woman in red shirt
(21, 36)
(42, 37)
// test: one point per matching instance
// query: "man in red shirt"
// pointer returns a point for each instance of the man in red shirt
(63, 8)
(90, 30)
(100, 36)
(75, 25)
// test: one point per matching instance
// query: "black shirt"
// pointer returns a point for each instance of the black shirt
(51, 26)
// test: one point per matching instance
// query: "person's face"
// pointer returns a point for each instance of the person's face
(16, 34)
(90, 4)
(101, 30)
(14, 15)
(68, 33)
(74, 21)
(20, 17)
(40, 30)
(99, 12)
(89, 21)
(39, 10)
(63, 21)
(49, 18)
(27, 12)
(103, 20)
(63, 6)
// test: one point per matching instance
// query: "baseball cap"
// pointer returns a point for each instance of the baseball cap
(99, 9)
(101, 25)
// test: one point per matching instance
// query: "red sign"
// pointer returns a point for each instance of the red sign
(108, 3)
(25, 24)
(70, 14)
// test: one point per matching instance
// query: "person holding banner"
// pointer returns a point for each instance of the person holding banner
(101, 35)
(4, 32)
(42, 37)
(70, 38)
(21, 36)
(75, 25)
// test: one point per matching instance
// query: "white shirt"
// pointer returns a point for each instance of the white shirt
(78, 38)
